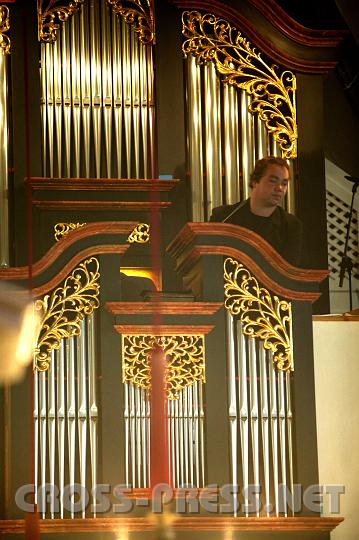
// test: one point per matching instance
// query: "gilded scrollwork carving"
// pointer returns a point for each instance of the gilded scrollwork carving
(139, 14)
(273, 92)
(62, 311)
(140, 234)
(63, 229)
(4, 27)
(185, 362)
(51, 13)
(263, 315)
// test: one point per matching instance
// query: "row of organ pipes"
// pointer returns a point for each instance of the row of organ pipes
(259, 416)
(66, 423)
(97, 102)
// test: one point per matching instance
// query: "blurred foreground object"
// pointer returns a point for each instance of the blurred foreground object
(18, 331)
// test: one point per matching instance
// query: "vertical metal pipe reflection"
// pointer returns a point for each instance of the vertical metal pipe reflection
(133, 434)
(57, 68)
(36, 432)
(254, 414)
(152, 172)
(85, 68)
(282, 439)
(71, 410)
(232, 400)
(194, 138)
(66, 86)
(143, 437)
(43, 105)
(247, 141)
(106, 69)
(231, 144)
(126, 85)
(50, 105)
(135, 80)
(82, 406)
(265, 424)
(96, 86)
(92, 402)
(201, 426)
(60, 391)
(138, 436)
(144, 108)
(43, 438)
(117, 89)
(290, 435)
(126, 415)
(274, 428)
(76, 87)
(262, 139)
(213, 138)
(243, 411)
(190, 433)
(51, 415)
(4, 164)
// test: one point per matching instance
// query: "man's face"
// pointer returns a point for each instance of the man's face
(272, 186)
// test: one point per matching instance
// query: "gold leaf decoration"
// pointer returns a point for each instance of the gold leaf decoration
(63, 229)
(211, 39)
(4, 27)
(263, 316)
(62, 311)
(139, 14)
(140, 234)
(50, 13)
(184, 357)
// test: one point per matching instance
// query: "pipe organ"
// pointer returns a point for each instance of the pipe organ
(234, 413)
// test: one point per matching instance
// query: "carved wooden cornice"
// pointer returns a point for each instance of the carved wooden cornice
(305, 63)
(296, 31)
(165, 308)
(187, 248)
(180, 523)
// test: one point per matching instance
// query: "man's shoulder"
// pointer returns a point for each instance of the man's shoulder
(221, 212)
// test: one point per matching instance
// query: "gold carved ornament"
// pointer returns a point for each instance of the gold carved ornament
(263, 316)
(4, 27)
(62, 311)
(185, 362)
(63, 229)
(140, 234)
(273, 93)
(139, 14)
(50, 13)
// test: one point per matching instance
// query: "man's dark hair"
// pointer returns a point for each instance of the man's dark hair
(262, 165)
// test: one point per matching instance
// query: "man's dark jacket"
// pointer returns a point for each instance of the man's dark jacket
(282, 230)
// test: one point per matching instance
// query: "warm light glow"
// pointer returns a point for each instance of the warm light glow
(147, 273)
(29, 330)
(19, 328)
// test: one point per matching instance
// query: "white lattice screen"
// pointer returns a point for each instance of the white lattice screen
(337, 217)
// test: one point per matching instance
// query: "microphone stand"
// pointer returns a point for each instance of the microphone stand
(346, 263)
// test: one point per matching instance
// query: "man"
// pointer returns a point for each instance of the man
(262, 214)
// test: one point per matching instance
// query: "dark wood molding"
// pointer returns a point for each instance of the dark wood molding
(180, 523)
(99, 205)
(162, 329)
(301, 64)
(100, 184)
(224, 230)
(290, 294)
(91, 229)
(294, 30)
(163, 308)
